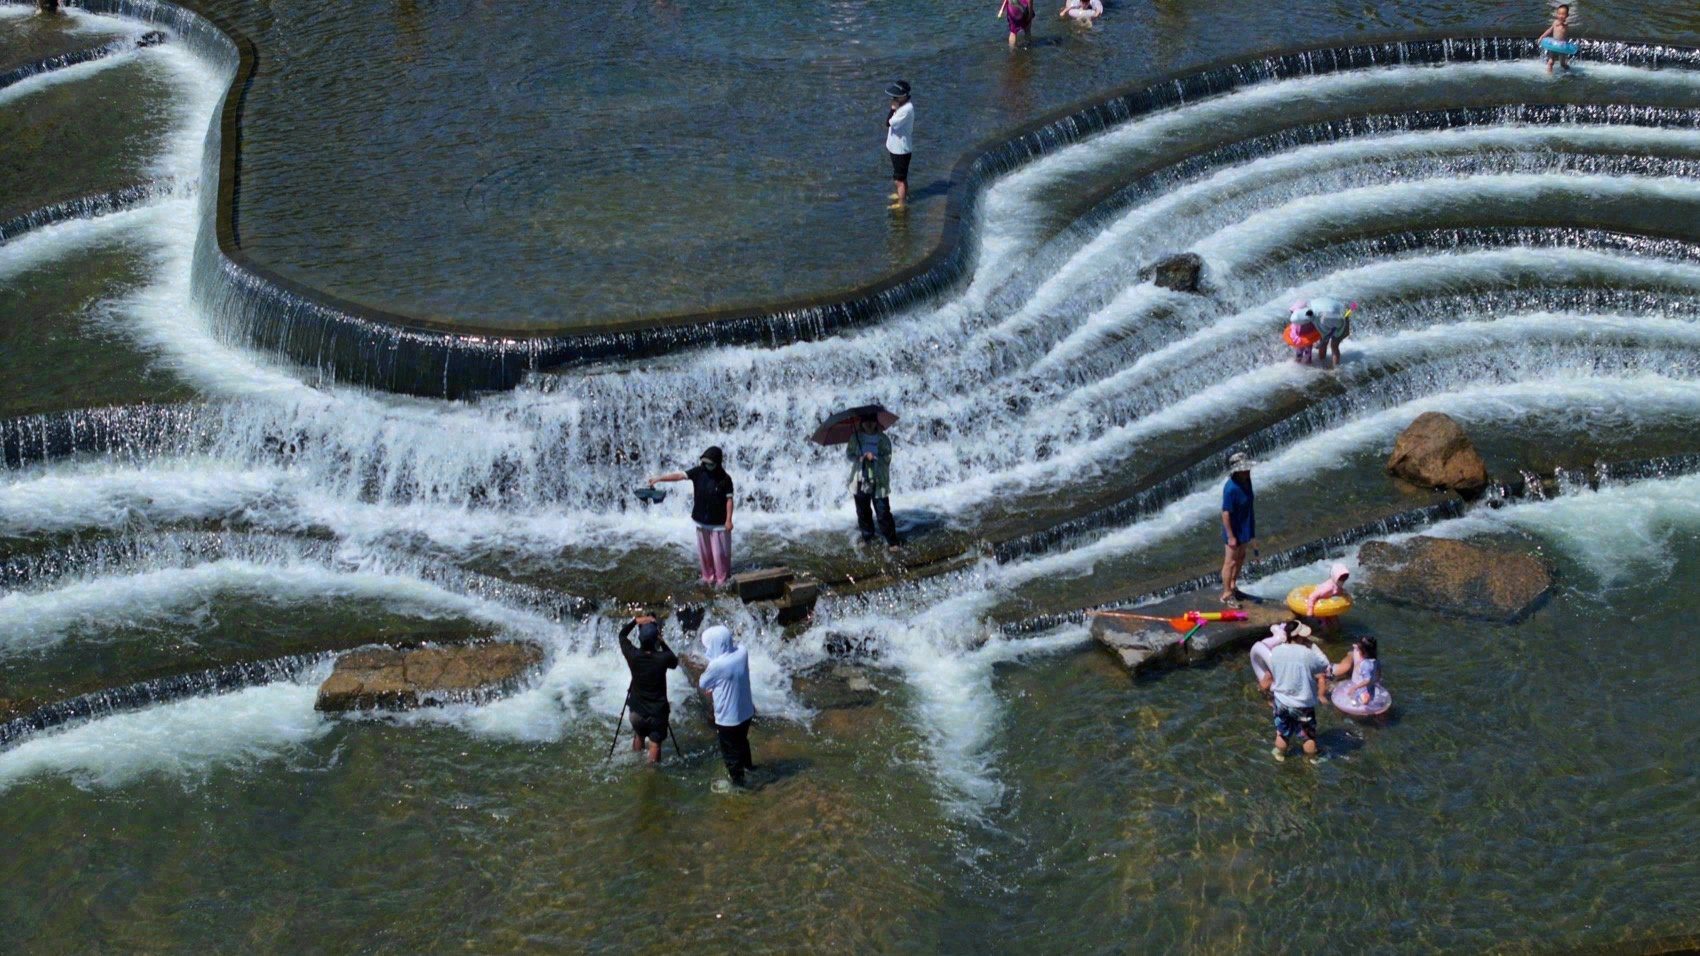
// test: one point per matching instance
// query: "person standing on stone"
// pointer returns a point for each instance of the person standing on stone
(712, 512)
(870, 481)
(899, 141)
(726, 684)
(1298, 678)
(1239, 526)
(649, 660)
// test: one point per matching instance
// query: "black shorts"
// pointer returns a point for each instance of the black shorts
(899, 166)
(655, 728)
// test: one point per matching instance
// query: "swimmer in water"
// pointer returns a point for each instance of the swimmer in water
(1560, 33)
(1082, 11)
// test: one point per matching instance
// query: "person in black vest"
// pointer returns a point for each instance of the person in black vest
(646, 698)
(712, 511)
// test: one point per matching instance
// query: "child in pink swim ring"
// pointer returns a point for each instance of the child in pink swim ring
(1362, 695)
(1302, 333)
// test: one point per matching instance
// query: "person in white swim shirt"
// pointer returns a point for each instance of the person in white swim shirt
(1083, 11)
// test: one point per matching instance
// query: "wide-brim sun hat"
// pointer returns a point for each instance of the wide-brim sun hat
(1240, 461)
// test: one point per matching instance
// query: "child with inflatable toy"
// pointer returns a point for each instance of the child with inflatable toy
(1315, 323)
(1556, 40)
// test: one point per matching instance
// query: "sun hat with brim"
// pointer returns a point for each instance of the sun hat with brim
(1239, 461)
(900, 88)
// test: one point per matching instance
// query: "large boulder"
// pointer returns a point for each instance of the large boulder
(1455, 577)
(394, 679)
(1178, 272)
(1434, 452)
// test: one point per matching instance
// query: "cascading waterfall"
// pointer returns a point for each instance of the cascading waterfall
(1515, 253)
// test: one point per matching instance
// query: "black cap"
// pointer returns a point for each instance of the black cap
(714, 454)
(900, 88)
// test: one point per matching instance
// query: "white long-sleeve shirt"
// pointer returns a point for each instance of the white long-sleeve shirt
(901, 125)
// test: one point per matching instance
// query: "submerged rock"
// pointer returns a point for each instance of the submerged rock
(1455, 577)
(1434, 452)
(13, 707)
(392, 679)
(1179, 272)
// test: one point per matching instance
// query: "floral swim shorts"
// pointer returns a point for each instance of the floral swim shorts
(1293, 722)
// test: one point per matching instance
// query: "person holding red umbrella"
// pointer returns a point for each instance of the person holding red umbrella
(861, 431)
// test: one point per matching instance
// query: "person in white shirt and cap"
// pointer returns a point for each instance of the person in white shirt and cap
(1297, 680)
(899, 143)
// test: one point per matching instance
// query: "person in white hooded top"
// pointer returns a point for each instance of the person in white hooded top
(726, 683)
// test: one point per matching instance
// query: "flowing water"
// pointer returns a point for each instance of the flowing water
(188, 527)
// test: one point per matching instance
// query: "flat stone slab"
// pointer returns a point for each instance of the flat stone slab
(767, 584)
(1455, 577)
(391, 679)
(1143, 646)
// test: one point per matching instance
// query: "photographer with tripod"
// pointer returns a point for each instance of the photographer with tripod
(649, 660)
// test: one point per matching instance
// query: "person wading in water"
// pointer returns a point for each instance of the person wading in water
(649, 661)
(726, 684)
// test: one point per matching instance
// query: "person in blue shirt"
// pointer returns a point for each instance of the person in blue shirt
(1239, 527)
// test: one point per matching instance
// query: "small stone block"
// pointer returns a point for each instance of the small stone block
(799, 593)
(765, 585)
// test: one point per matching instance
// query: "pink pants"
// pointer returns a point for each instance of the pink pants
(714, 550)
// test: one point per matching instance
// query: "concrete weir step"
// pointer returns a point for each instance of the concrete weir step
(1143, 646)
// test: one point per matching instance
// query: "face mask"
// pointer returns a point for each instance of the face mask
(708, 464)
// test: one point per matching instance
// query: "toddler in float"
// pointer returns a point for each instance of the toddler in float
(1302, 333)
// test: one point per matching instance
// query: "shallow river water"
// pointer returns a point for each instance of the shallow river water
(1528, 260)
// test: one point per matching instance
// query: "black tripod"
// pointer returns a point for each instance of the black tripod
(622, 719)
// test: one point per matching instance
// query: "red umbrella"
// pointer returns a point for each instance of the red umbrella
(841, 427)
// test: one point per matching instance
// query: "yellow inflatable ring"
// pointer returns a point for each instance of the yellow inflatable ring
(1298, 597)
